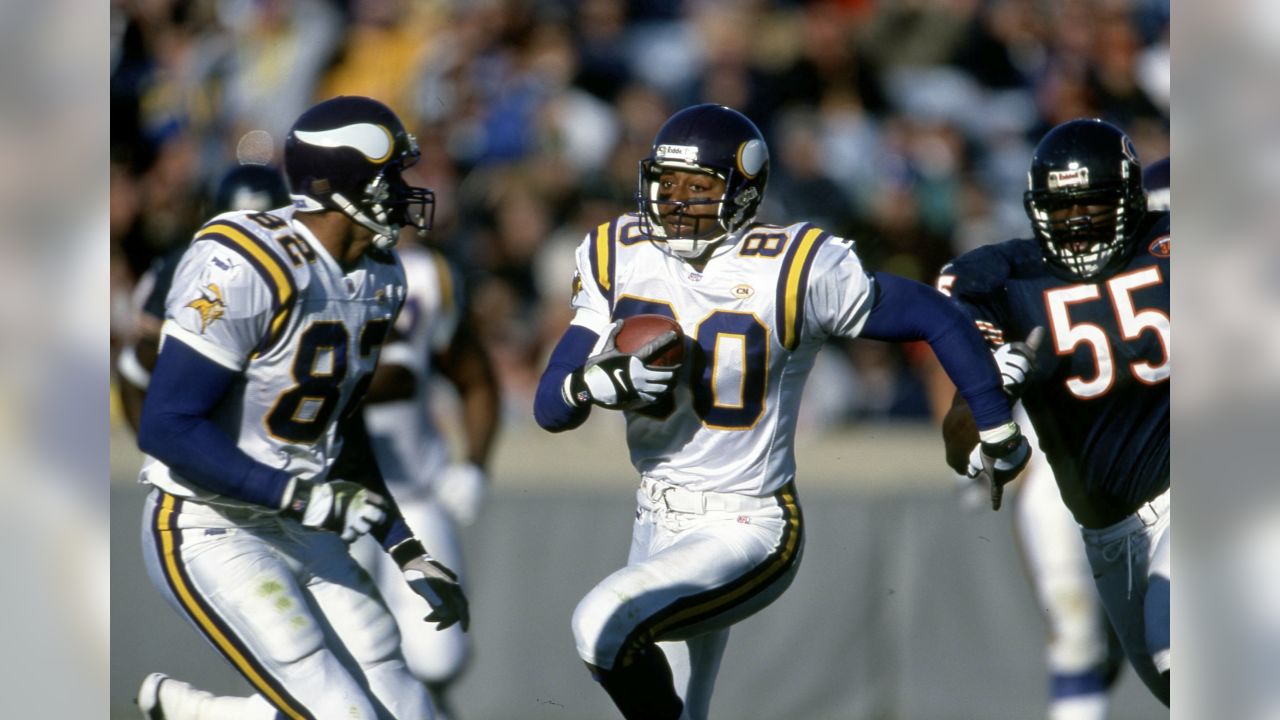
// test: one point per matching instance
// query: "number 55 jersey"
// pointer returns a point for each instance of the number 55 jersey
(1099, 395)
(756, 314)
(258, 294)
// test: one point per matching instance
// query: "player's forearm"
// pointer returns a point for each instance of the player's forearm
(908, 310)
(468, 367)
(550, 409)
(176, 429)
(959, 434)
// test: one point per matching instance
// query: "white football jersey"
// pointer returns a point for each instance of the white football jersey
(760, 311)
(258, 294)
(406, 441)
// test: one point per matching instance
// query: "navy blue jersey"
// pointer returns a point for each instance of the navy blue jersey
(1099, 398)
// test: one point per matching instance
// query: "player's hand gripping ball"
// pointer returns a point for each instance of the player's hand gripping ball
(635, 366)
(638, 331)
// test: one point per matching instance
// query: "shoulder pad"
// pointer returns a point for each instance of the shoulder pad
(985, 269)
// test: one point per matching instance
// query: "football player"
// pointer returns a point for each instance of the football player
(435, 494)
(248, 186)
(718, 533)
(1094, 283)
(256, 452)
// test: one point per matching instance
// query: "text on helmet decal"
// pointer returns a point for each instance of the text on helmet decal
(1077, 177)
(752, 155)
(683, 153)
(373, 141)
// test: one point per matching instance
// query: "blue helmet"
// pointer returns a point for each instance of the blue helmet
(1078, 164)
(250, 187)
(711, 139)
(348, 154)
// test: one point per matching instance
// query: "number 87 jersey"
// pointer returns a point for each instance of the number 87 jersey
(1099, 396)
(258, 294)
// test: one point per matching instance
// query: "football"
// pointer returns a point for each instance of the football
(638, 330)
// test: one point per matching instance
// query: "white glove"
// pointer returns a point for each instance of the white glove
(347, 508)
(438, 585)
(998, 459)
(617, 381)
(1016, 360)
(462, 489)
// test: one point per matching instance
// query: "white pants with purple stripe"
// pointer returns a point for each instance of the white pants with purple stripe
(699, 563)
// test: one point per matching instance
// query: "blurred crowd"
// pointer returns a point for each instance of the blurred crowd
(906, 125)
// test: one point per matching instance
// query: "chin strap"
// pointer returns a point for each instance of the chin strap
(385, 235)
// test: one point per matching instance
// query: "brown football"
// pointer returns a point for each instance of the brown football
(638, 330)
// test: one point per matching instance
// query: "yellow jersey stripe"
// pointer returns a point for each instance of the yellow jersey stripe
(792, 294)
(602, 247)
(273, 271)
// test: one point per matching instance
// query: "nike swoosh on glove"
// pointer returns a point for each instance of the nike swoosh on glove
(619, 381)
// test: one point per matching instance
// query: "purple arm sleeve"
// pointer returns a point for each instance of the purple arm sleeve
(176, 429)
(907, 310)
(549, 407)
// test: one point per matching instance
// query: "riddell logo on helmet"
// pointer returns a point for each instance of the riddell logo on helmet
(682, 153)
(1059, 179)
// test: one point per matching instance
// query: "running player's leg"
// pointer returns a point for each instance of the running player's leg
(358, 620)
(695, 663)
(1121, 556)
(236, 587)
(1156, 608)
(1078, 648)
(702, 574)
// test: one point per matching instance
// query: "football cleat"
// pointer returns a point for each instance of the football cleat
(149, 697)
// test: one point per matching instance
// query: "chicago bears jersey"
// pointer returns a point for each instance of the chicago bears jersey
(258, 294)
(405, 439)
(757, 314)
(1099, 397)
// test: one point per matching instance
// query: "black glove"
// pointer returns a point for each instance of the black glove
(619, 381)
(999, 462)
(437, 584)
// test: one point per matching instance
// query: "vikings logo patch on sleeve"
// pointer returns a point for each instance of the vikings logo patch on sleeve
(210, 305)
(576, 286)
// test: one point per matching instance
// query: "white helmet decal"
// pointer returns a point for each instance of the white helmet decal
(375, 142)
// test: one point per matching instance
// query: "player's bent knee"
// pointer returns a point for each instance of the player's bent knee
(594, 633)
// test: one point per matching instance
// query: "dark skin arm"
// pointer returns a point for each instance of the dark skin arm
(131, 396)
(466, 364)
(959, 434)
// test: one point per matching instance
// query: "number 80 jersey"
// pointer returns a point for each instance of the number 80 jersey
(757, 313)
(258, 294)
(1099, 398)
